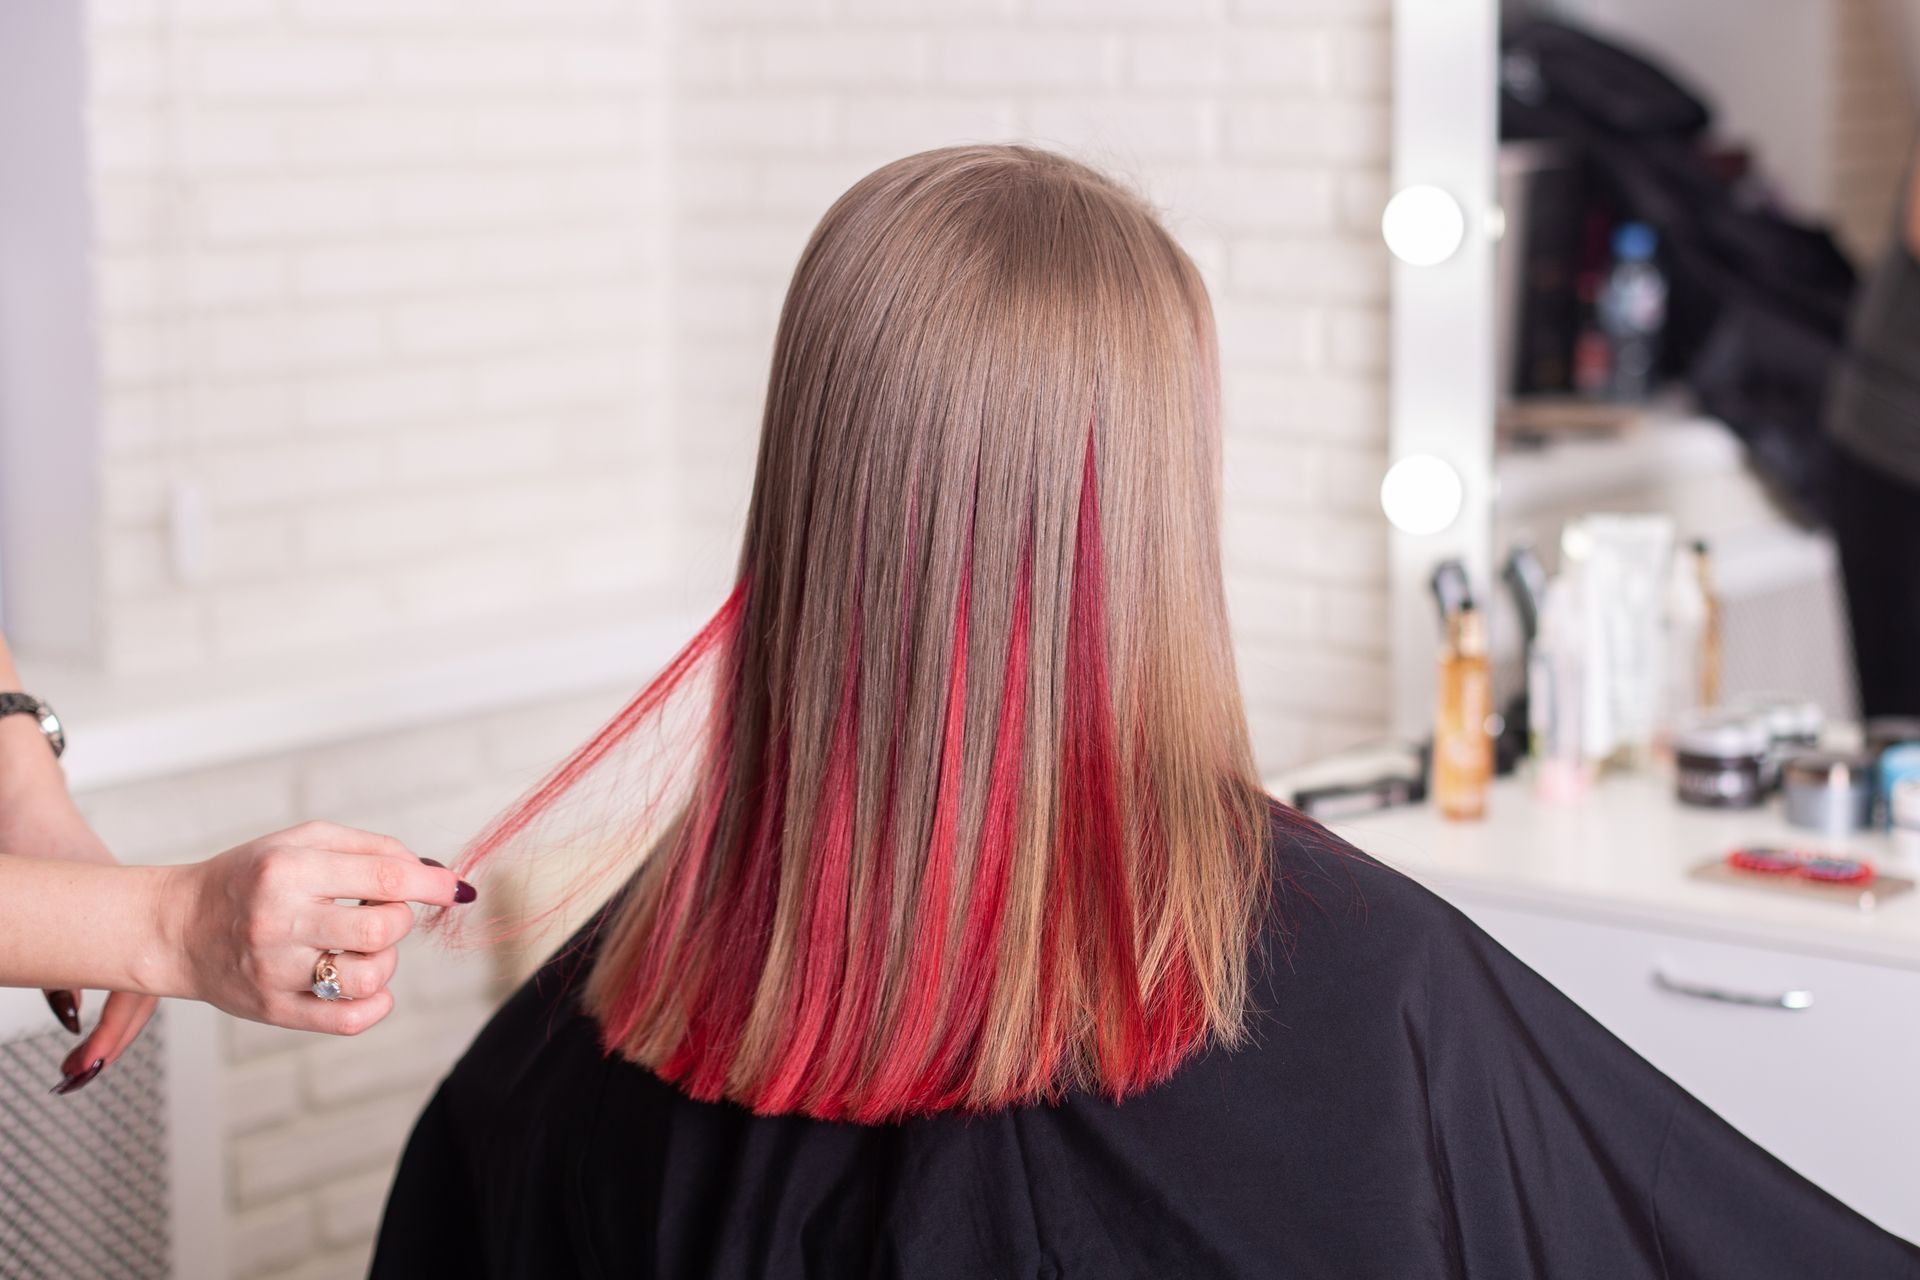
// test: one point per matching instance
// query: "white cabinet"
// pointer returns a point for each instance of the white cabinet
(1815, 1058)
(1796, 1018)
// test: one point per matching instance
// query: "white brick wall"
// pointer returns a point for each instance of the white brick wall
(444, 309)
(380, 283)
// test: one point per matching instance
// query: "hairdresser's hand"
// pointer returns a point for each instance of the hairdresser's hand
(243, 931)
(252, 922)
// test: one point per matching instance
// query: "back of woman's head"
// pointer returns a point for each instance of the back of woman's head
(970, 817)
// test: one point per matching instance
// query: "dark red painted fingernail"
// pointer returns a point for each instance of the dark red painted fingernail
(462, 891)
(79, 1079)
(66, 1007)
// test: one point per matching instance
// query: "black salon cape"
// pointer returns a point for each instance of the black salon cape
(1417, 1103)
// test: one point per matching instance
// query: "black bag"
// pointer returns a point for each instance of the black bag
(1765, 373)
(1757, 304)
(1561, 72)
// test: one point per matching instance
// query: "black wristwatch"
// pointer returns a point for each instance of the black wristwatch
(25, 704)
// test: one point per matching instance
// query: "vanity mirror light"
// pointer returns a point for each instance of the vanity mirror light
(1440, 401)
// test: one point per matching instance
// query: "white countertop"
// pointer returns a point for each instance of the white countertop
(1623, 854)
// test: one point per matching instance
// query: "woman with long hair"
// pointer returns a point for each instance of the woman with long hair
(955, 933)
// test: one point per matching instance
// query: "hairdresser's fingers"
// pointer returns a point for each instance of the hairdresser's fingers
(336, 838)
(367, 929)
(122, 1018)
(307, 1012)
(360, 976)
(382, 878)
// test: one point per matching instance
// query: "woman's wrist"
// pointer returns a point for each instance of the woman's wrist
(163, 963)
(148, 953)
(87, 925)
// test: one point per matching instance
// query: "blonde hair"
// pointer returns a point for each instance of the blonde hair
(973, 818)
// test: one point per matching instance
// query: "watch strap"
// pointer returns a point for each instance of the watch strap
(15, 703)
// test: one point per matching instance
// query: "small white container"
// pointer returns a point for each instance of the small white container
(1903, 808)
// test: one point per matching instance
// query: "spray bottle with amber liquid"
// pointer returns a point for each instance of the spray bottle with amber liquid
(1462, 748)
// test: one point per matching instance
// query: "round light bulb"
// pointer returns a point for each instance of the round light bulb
(1423, 225)
(1421, 494)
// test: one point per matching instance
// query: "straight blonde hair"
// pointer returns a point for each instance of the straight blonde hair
(972, 817)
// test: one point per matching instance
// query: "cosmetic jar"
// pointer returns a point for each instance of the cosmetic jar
(1903, 805)
(1790, 721)
(1896, 764)
(1829, 791)
(1718, 761)
(1792, 724)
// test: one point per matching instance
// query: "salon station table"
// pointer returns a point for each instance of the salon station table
(1797, 1020)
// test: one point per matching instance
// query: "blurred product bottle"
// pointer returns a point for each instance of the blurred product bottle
(1625, 563)
(1693, 636)
(1556, 692)
(1632, 312)
(1700, 557)
(1462, 748)
(1592, 356)
(1903, 817)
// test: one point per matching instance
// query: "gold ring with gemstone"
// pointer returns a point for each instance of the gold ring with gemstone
(326, 978)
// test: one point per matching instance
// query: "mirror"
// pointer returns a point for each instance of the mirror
(1672, 234)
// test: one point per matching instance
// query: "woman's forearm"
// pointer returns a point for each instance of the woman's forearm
(38, 818)
(88, 925)
(37, 815)
(68, 918)
(34, 804)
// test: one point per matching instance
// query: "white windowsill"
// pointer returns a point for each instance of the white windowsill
(132, 728)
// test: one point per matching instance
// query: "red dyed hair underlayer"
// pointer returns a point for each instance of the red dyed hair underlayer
(969, 816)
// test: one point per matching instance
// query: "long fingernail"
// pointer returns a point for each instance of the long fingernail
(462, 891)
(79, 1079)
(66, 1007)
